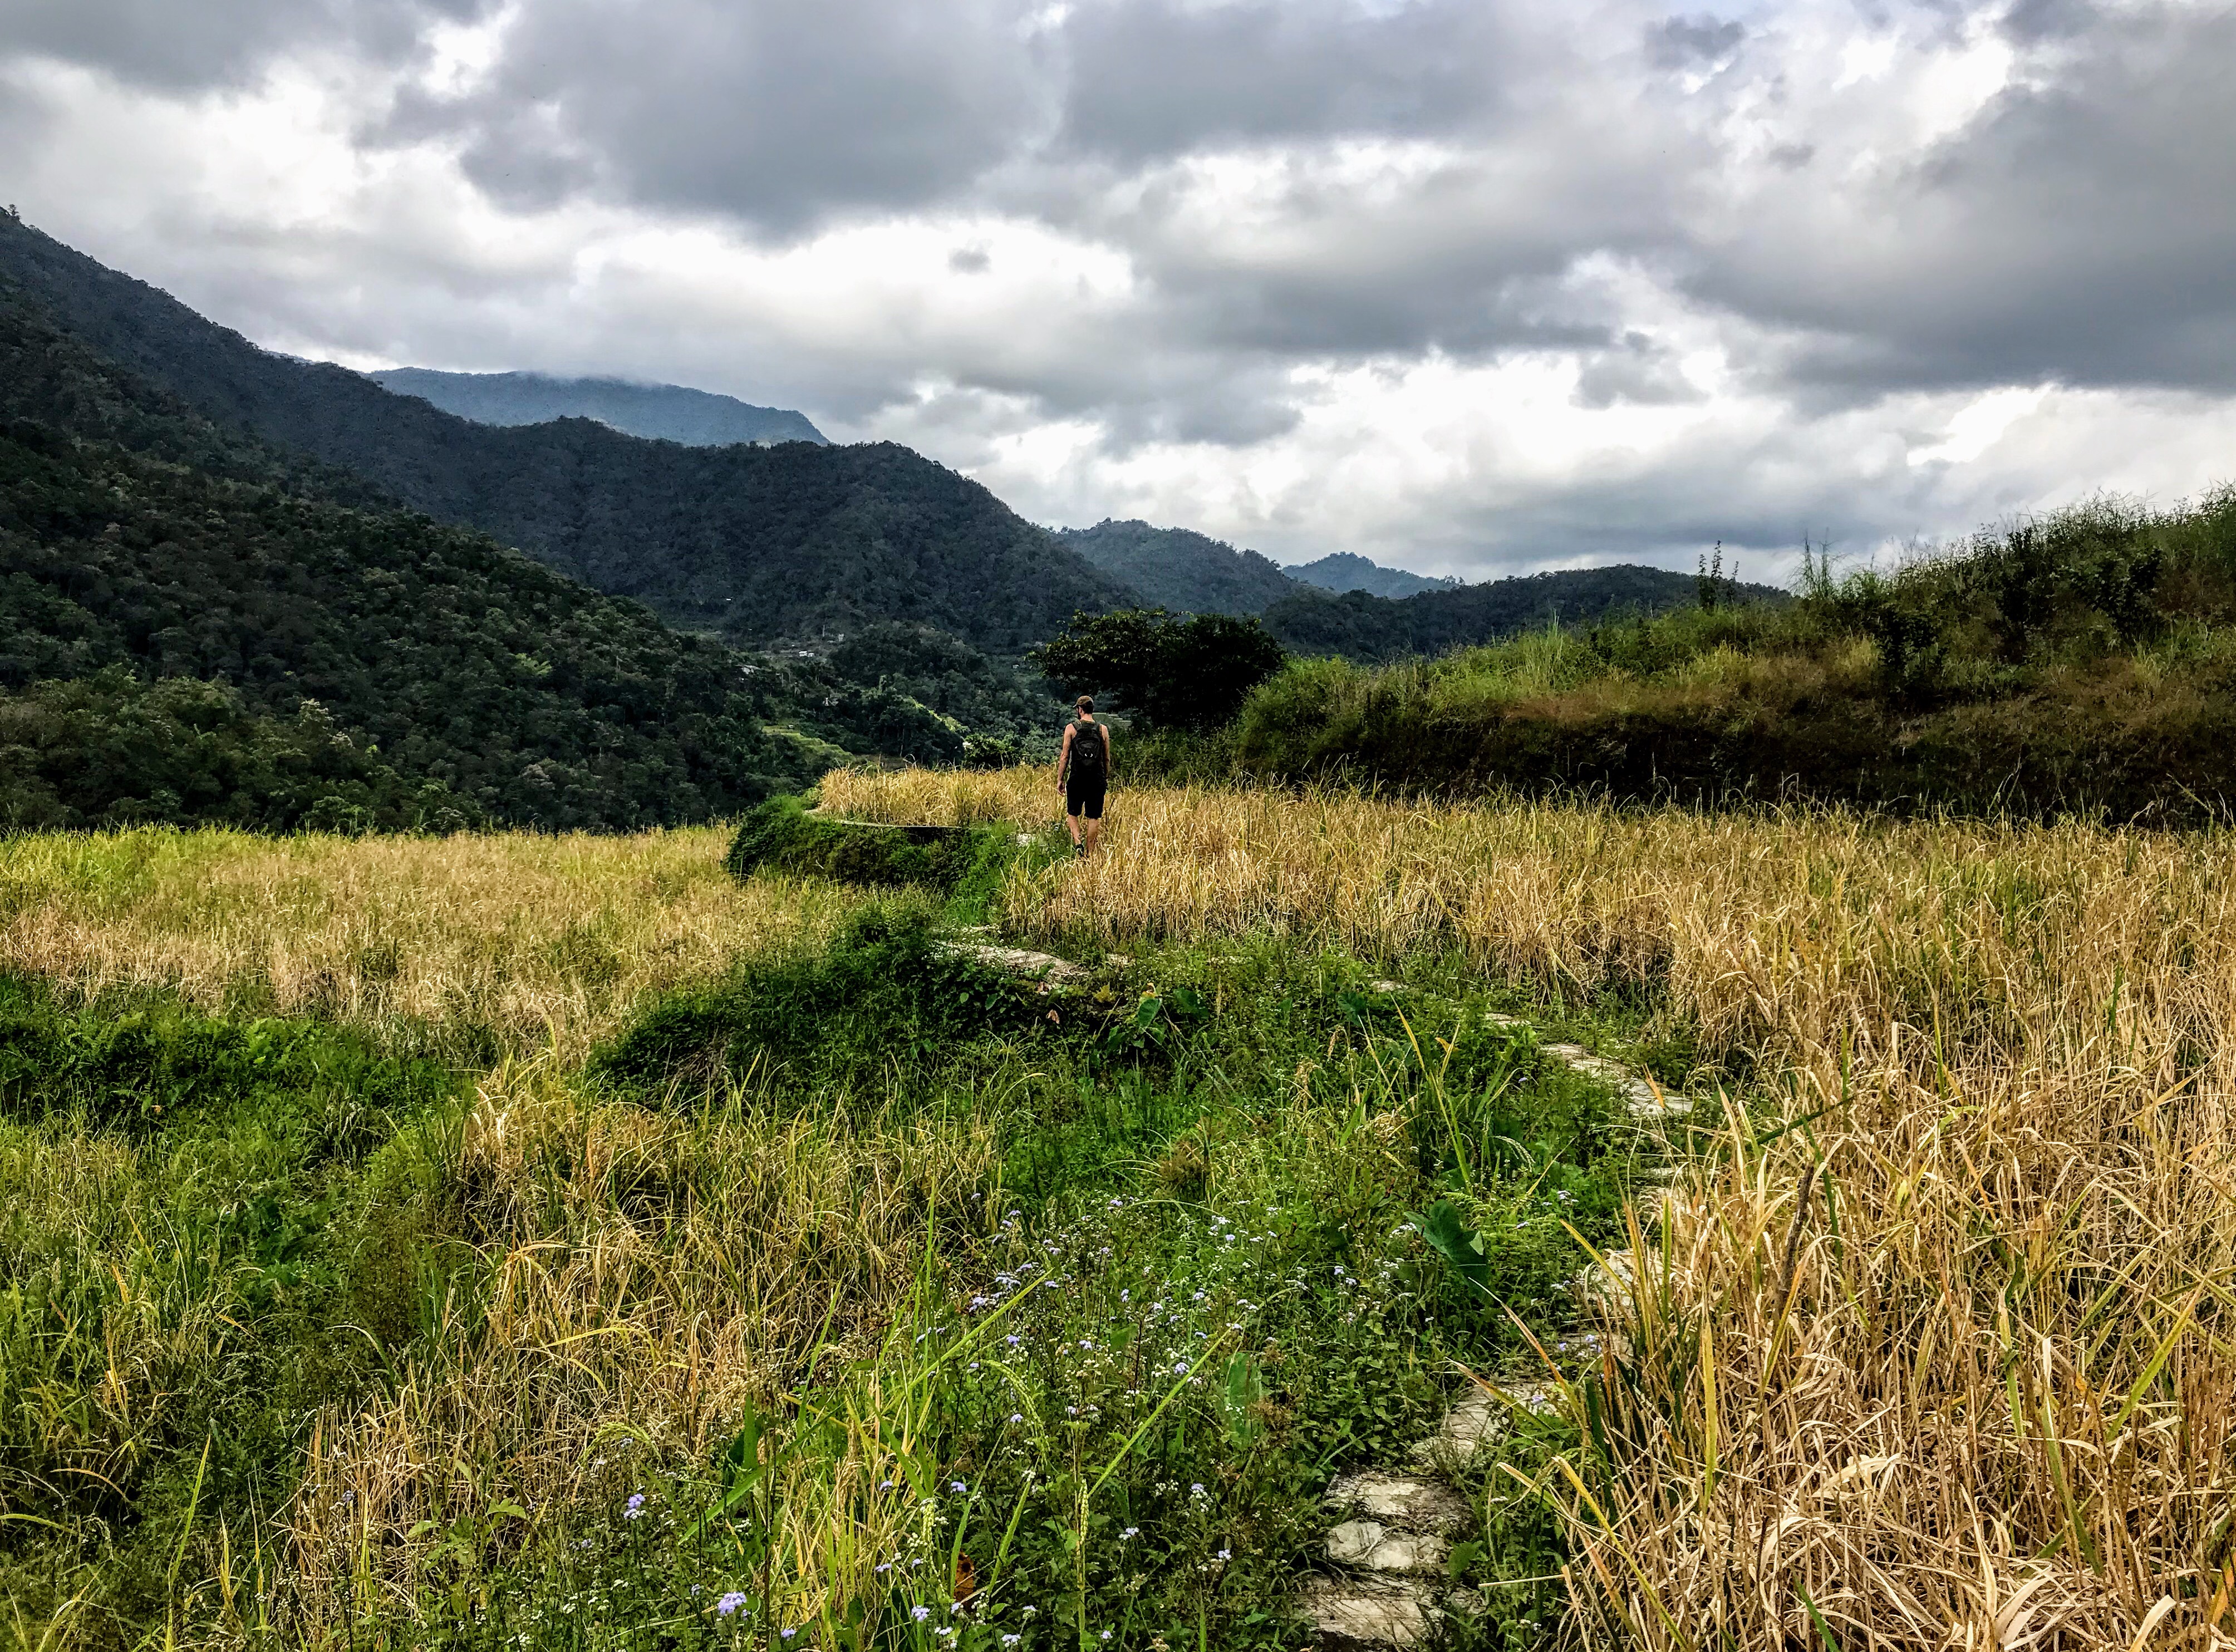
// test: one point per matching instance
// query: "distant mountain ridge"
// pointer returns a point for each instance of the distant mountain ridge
(1346, 571)
(660, 412)
(751, 544)
(1179, 568)
(1368, 629)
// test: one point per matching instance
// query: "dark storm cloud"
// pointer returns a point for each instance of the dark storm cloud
(785, 117)
(2077, 228)
(1150, 79)
(1634, 368)
(1235, 197)
(2080, 228)
(2031, 20)
(782, 114)
(1685, 43)
(178, 46)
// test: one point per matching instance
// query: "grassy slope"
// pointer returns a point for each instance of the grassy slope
(2083, 662)
(1362, 626)
(1951, 1294)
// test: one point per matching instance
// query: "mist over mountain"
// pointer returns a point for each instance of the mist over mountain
(663, 412)
(1345, 571)
(1179, 568)
(751, 544)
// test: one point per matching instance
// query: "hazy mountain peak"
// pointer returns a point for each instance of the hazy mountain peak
(1178, 568)
(668, 413)
(1345, 571)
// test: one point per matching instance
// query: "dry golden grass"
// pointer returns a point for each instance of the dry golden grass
(536, 938)
(643, 1276)
(1953, 1365)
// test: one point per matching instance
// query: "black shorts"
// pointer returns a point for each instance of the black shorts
(1084, 797)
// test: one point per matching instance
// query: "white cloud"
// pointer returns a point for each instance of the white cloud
(1468, 289)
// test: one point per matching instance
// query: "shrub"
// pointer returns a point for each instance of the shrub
(1174, 673)
(782, 834)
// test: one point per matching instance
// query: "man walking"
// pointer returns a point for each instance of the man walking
(1082, 776)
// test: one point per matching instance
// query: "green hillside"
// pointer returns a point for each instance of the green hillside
(2084, 662)
(1177, 569)
(527, 698)
(1362, 626)
(196, 626)
(751, 544)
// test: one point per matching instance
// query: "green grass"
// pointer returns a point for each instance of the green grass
(1190, 1260)
(206, 1230)
(2084, 664)
(1208, 1262)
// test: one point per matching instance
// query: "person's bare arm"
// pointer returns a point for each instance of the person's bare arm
(1064, 757)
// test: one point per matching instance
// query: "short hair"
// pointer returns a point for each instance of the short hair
(1087, 702)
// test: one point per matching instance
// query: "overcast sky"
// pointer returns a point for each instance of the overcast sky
(1464, 285)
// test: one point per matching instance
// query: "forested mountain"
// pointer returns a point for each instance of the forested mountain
(1363, 628)
(1190, 573)
(1179, 569)
(752, 543)
(661, 412)
(1345, 571)
(225, 633)
(950, 678)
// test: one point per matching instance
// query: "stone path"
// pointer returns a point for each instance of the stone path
(1043, 967)
(1387, 1584)
(1394, 1528)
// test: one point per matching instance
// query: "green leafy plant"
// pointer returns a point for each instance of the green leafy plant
(1173, 672)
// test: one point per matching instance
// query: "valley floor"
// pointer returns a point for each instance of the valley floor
(543, 1240)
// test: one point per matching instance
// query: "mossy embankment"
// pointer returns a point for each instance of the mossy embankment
(2084, 663)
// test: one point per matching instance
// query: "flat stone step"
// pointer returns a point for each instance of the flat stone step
(1369, 1614)
(1378, 1548)
(1609, 1282)
(1414, 1502)
(1043, 967)
(1647, 1100)
(1477, 1422)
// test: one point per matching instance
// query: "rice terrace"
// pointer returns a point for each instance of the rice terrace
(557, 1241)
(694, 958)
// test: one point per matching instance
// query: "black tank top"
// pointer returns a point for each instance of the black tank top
(1088, 750)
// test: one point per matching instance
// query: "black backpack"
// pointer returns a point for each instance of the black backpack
(1088, 751)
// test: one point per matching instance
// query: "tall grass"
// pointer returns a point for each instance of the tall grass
(1938, 1349)
(568, 1354)
(2072, 664)
(638, 1280)
(524, 937)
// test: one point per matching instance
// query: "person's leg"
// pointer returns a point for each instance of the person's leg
(1071, 820)
(1093, 823)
